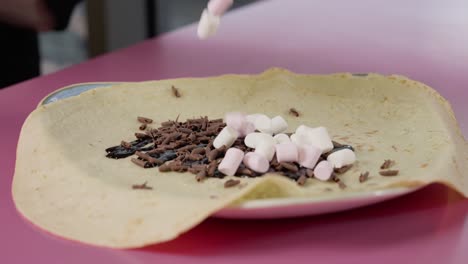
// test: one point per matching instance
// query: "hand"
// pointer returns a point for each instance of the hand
(32, 14)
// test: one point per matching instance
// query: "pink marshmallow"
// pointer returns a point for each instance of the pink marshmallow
(219, 7)
(235, 120)
(323, 170)
(247, 129)
(231, 161)
(256, 162)
(308, 156)
(286, 152)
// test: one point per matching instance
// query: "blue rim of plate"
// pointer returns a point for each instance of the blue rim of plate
(73, 90)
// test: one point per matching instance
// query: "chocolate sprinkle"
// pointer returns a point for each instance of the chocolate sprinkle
(164, 168)
(342, 185)
(294, 112)
(245, 171)
(141, 186)
(144, 120)
(231, 183)
(213, 154)
(364, 177)
(141, 135)
(389, 173)
(289, 166)
(343, 169)
(201, 175)
(125, 144)
(387, 164)
(175, 91)
(142, 127)
(212, 168)
(140, 162)
(302, 180)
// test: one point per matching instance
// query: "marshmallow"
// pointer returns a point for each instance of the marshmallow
(314, 136)
(256, 162)
(323, 170)
(266, 148)
(299, 139)
(278, 125)
(226, 137)
(231, 161)
(308, 156)
(247, 129)
(208, 24)
(219, 7)
(303, 130)
(341, 158)
(281, 138)
(252, 139)
(251, 118)
(286, 152)
(235, 120)
(263, 124)
(319, 137)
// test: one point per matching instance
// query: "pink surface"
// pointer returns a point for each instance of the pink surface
(425, 40)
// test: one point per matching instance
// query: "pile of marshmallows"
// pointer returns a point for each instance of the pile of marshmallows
(305, 146)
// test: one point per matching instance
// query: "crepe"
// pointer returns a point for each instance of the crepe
(64, 184)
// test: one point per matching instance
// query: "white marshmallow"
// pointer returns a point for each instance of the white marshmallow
(299, 139)
(263, 124)
(303, 130)
(278, 125)
(342, 158)
(208, 24)
(253, 139)
(319, 137)
(323, 171)
(226, 137)
(281, 138)
(266, 149)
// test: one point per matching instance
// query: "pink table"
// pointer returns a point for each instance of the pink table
(425, 40)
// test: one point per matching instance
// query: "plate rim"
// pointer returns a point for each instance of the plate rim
(71, 86)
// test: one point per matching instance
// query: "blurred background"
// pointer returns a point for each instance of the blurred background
(101, 26)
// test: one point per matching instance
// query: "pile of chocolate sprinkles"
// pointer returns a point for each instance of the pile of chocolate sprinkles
(188, 147)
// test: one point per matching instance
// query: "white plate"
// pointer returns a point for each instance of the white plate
(269, 208)
(294, 207)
